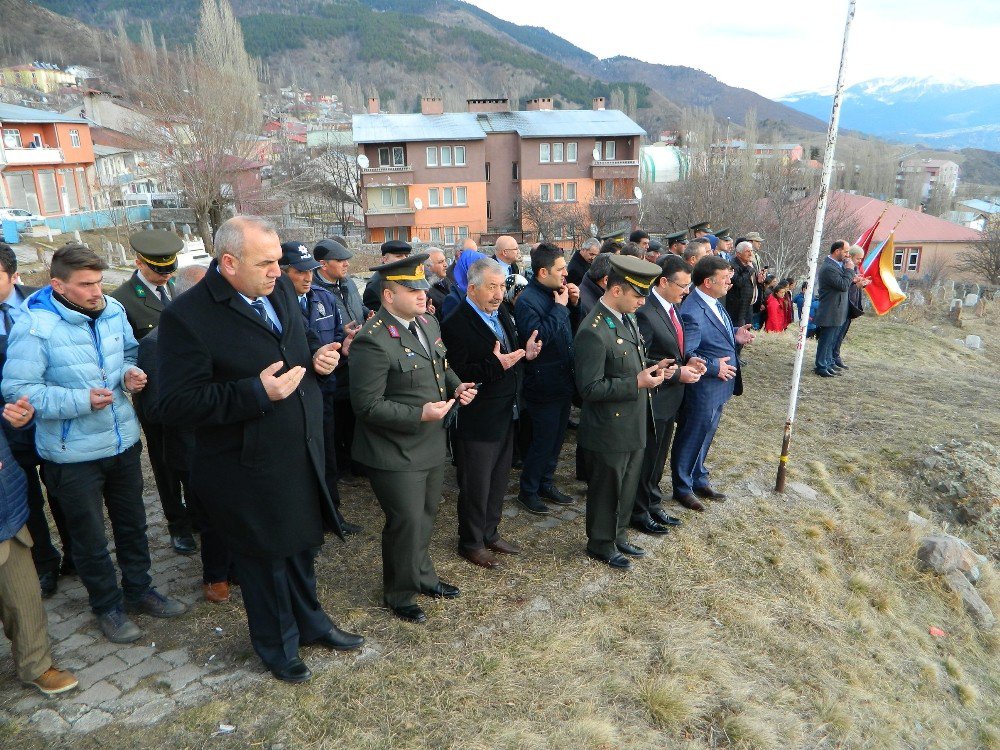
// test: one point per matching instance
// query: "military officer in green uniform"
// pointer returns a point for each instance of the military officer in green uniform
(614, 381)
(151, 287)
(144, 295)
(401, 396)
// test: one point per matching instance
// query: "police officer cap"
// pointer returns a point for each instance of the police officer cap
(676, 237)
(158, 248)
(396, 247)
(640, 274)
(406, 271)
(297, 255)
(702, 226)
(331, 250)
(616, 236)
(723, 234)
(655, 246)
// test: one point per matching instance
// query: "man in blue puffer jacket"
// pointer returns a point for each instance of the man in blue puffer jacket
(72, 354)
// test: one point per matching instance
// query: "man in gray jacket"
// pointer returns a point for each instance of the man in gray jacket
(834, 278)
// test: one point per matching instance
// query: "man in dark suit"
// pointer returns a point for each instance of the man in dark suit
(401, 402)
(507, 253)
(238, 364)
(392, 250)
(144, 297)
(661, 330)
(436, 270)
(594, 283)
(614, 383)
(581, 261)
(855, 304)
(709, 335)
(481, 340)
(745, 291)
(22, 445)
(833, 281)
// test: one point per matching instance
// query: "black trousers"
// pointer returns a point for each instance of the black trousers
(283, 610)
(330, 448)
(548, 430)
(43, 553)
(654, 460)
(168, 480)
(343, 417)
(483, 471)
(216, 562)
(84, 489)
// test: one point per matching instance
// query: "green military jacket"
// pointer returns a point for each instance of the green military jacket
(392, 377)
(142, 306)
(609, 355)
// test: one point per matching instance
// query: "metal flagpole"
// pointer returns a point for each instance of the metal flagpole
(824, 190)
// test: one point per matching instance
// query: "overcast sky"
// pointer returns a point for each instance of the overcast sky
(775, 47)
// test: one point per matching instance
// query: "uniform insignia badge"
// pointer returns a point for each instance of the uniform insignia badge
(422, 319)
(610, 322)
(139, 291)
(393, 331)
(321, 308)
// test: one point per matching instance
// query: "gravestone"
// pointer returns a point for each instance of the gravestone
(918, 298)
(955, 316)
(971, 299)
(981, 308)
(973, 342)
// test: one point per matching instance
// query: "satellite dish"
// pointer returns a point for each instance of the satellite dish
(593, 230)
(418, 204)
(363, 161)
(597, 154)
(637, 192)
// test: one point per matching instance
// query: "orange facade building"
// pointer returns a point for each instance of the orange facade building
(439, 177)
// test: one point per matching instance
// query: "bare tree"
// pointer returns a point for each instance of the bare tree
(553, 220)
(329, 185)
(203, 108)
(983, 257)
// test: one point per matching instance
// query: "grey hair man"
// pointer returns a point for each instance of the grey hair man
(855, 303)
(696, 250)
(582, 259)
(436, 271)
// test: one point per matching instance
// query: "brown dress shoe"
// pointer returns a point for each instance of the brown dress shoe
(481, 557)
(503, 546)
(690, 502)
(217, 593)
(54, 681)
(710, 494)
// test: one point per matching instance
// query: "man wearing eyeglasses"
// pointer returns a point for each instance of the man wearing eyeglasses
(709, 334)
(663, 333)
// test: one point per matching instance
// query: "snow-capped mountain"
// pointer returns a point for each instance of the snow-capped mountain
(940, 114)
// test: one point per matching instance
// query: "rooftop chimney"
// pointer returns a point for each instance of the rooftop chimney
(598, 103)
(488, 105)
(431, 105)
(373, 108)
(538, 105)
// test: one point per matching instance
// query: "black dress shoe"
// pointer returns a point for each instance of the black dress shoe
(441, 590)
(632, 550)
(617, 560)
(665, 518)
(823, 373)
(339, 640)
(841, 365)
(709, 493)
(350, 528)
(836, 371)
(648, 526)
(533, 504)
(48, 582)
(294, 671)
(555, 496)
(410, 613)
(183, 544)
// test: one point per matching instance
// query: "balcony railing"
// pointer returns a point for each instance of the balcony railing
(382, 170)
(616, 163)
(31, 156)
(382, 210)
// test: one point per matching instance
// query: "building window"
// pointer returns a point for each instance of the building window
(385, 157)
(908, 255)
(543, 192)
(74, 138)
(400, 196)
(571, 191)
(513, 211)
(609, 150)
(557, 192)
(391, 157)
(487, 171)
(12, 138)
(557, 152)
(386, 197)
(446, 156)
(489, 211)
(390, 233)
(544, 153)
(598, 148)
(514, 171)
(449, 235)
(571, 151)
(459, 156)
(463, 232)
(461, 196)
(398, 157)
(436, 235)
(897, 259)
(448, 198)
(433, 198)
(36, 139)
(432, 156)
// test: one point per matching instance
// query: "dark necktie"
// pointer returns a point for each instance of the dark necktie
(677, 327)
(726, 322)
(8, 322)
(258, 306)
(413, 329)
(304, 304)
(162, 294)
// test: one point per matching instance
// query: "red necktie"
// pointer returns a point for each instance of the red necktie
(677, 327)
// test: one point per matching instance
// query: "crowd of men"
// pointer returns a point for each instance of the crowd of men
(266, 384)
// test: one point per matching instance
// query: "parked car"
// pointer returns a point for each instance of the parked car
(22, 217)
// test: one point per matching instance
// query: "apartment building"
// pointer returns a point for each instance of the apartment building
(46, 161)
(43, 77)
(439, 177)
(920, 177)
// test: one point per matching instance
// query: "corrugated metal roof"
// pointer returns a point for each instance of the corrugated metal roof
(451, 126)
(14, 113)
(560, 123)
(981, 206)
